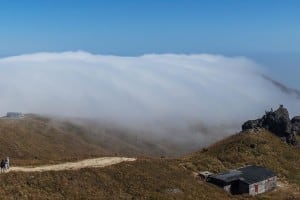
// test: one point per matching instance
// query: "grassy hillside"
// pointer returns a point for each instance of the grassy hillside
(260, 148)
(166, 178)
(38, 140)
(253, 148)
(33, 141)
(144, 179)
(120, 141)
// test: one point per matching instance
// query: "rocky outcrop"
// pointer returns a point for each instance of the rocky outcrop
(296, 125)
(278, 122)
(251, 124)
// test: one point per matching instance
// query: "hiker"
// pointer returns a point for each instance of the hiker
(6, 163)
(2, 165)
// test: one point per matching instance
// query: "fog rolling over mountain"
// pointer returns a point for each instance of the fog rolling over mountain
(184, 98)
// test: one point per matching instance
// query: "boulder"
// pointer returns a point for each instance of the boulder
(296, 119)
(251, 124)
(296, 125)
(278, 122)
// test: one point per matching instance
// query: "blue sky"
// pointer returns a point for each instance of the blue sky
(266, 30)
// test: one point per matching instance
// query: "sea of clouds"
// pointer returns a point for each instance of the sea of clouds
(164, 92)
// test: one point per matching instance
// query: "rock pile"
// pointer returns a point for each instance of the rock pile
(296, 124)
(279, 123)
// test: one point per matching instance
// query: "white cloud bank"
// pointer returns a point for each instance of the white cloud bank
(152, 90)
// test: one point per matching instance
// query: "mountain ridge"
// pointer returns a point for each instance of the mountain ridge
(282, 87)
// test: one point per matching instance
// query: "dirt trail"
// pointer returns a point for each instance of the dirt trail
(88, 163)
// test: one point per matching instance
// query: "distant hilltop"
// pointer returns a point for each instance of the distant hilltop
(14, 115)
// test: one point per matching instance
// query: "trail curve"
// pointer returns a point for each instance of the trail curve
(87, 163)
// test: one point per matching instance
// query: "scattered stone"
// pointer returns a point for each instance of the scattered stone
(174, 191)
(296, 125)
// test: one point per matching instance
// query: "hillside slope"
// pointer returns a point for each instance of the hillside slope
(167, 178)
(252, 148)
(40, 140)
(142, 179)
(30, 141)
(119, 140)
(249, 148)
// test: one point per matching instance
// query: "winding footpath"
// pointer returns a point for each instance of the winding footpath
(88, 163)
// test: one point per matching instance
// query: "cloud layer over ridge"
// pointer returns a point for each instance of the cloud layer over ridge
(153, 90)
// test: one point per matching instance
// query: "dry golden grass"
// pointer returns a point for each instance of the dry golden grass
(32, 141)
(144, 179)
(35, 141)
(261, 148)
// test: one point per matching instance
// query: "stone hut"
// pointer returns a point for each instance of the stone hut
(250, 180)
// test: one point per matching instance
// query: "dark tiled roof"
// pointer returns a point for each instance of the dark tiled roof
(228, 176)
(249, 174)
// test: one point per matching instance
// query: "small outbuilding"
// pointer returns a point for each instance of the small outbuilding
(14, 115)
(250, 180)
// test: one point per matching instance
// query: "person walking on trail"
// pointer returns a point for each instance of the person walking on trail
(2, 165)
(6, 163)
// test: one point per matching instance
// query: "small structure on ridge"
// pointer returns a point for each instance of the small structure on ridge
(14, 115)
(250, 180)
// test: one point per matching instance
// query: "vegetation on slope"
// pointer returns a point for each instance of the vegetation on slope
(41, 140)
(31, 141)
(143, 179)
(36, 140)
(252, 148)
(119, 141)
(249, 148)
